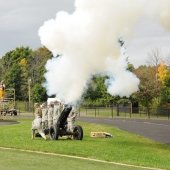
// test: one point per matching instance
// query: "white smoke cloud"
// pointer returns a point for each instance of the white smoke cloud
(88, 42)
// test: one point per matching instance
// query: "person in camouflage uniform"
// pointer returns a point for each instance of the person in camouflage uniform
(58, 108)
(44, 116)
(56, 111)
(37, 122)
(70, 120)
(50, 114)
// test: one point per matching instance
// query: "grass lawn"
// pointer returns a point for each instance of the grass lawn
(14, 160)
(123, 147)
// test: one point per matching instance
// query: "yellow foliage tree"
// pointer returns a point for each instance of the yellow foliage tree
(162, 72)
(23, 62)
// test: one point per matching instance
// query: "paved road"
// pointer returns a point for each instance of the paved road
(158, 130)
(7, 122)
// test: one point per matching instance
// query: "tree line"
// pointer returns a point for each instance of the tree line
(23, 64)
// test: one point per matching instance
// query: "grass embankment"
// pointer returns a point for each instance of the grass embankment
(123, 147)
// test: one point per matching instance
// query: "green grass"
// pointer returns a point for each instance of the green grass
(14, 160)
(123, 147)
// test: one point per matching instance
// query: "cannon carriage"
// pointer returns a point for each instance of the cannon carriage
(60, 128)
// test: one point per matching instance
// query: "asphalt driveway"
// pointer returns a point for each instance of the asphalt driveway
(157, 130)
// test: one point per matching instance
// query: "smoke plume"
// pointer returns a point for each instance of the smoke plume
(87, 40)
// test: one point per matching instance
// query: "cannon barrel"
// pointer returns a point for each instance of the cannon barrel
(64, 114)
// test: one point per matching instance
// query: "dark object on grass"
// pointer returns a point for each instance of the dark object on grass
(10, 112)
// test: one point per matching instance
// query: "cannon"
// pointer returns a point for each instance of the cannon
(60, 128)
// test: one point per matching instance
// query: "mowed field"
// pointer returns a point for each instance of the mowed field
(14, 160)
(123, 148)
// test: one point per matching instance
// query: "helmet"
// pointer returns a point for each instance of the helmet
(57, 100)
(36, 104)
(43, 105)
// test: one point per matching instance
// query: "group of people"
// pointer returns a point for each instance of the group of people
(47, 115)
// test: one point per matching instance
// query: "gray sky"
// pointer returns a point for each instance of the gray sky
(148, 36)
(21, 19)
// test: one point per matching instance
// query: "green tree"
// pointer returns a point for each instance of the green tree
(37, 63)
(21, 64)
(165, 90)
(15, 70)
(13, 80)
(97, 91)
(39, 93)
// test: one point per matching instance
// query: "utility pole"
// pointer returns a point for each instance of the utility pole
(14, 96)
(29, 94)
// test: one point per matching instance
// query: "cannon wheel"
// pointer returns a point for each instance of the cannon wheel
(78, 133)
(53, 132)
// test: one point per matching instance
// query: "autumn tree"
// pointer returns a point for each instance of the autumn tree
(162, 72)
(37, 63)
(154, 59)
(165, 88)
(149, 88)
